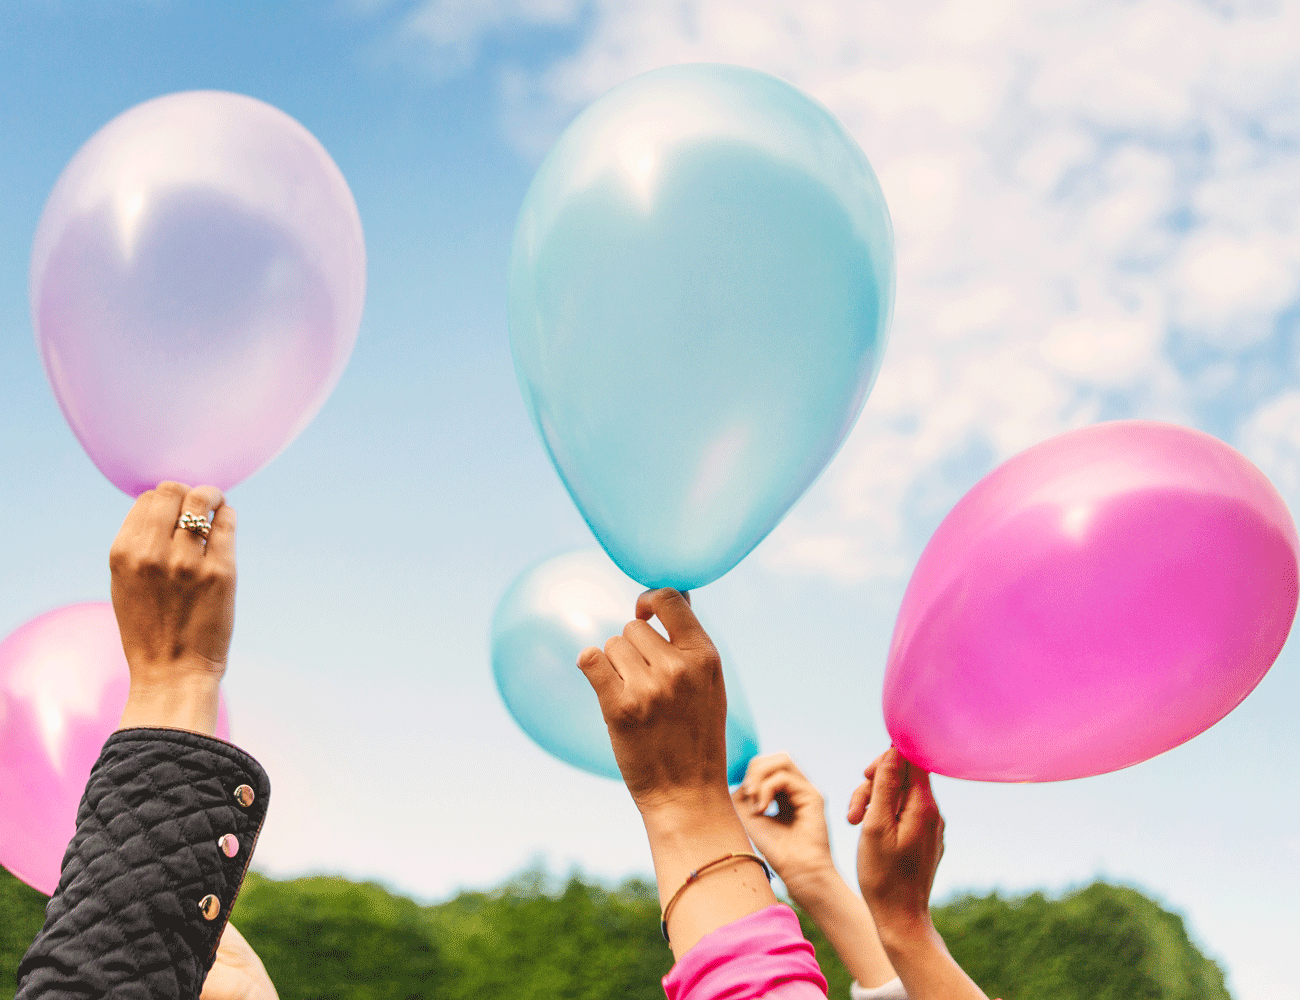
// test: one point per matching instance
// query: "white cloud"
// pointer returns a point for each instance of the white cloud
(449, 33)
(1077, 186)
(1271, 439)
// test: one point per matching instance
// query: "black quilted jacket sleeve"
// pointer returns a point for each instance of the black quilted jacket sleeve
(128, 920)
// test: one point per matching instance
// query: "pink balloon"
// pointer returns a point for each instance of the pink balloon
(63, 685)
(197, 280)
(1095, 601)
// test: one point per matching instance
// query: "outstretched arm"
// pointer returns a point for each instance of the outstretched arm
(170, 816)
(898, 854)
(796, 843)
(666, 710)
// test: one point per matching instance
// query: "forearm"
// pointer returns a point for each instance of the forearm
(182, 701)
(164, 835)
(924, 965)
(687, 836)
(846, 921)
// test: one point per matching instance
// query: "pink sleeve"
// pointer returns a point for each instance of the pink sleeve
(761, 955)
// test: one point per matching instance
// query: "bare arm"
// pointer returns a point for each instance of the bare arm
(797, 844)
(898, 854)
(666, 709)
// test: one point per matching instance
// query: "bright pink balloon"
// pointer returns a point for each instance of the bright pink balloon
(197, 280)
(1094, 601)
(63, 685)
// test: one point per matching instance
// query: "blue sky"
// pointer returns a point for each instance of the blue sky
(1098, 215)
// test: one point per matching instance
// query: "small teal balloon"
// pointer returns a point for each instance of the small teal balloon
(701, 285)
(550, 614)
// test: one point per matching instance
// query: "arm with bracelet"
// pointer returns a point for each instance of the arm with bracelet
(665, 706)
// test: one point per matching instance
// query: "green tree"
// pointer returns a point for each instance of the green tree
(331, 939)
(22, 911)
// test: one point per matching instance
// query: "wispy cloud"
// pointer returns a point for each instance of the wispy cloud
(1097, 207)
(448, 35)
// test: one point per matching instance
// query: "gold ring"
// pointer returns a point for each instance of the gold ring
(194, 524)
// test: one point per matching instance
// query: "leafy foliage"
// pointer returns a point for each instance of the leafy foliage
(331, 939)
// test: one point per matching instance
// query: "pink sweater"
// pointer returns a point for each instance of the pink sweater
(761, 955)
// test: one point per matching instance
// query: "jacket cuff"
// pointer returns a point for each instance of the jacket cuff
(165, 833)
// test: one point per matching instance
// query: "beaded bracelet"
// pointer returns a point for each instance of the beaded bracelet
(745, 855)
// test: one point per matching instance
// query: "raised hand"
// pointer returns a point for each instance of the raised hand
(666, 710)
(898, 854)
(901, 842)
(174, 597)
(664, 705)
(795, 841)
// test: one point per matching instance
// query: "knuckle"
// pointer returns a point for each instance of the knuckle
(180, 568)
(214, 574)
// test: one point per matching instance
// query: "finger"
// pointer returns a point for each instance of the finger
(164, 511)
(858, 802)
(918, 807)
(761, 767)
(200, 502)
(602, 676)
(626, 658)
(134, 532)
(766, 791)
(649, 643)
(886, 789)
(671, 608)
(221, 540)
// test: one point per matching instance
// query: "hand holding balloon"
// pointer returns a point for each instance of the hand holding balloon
(898, 855)
(552, 612)
(901, 842)
(174, 597)
(665, 705)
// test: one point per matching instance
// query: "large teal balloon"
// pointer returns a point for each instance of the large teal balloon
(700, 291)
(552, 612)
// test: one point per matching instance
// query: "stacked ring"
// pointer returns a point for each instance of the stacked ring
(195, 524)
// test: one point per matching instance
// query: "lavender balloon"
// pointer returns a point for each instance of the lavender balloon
(197, 281)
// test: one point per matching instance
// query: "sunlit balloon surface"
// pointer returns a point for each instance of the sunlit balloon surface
(551, 613)
(1094, 601)
(700, 291)
(63, 685)
(197, 280)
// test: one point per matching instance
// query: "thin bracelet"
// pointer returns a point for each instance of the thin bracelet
(745, 855)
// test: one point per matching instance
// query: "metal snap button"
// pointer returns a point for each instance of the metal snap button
(244, 796)
(229, 844)
(210, 907)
